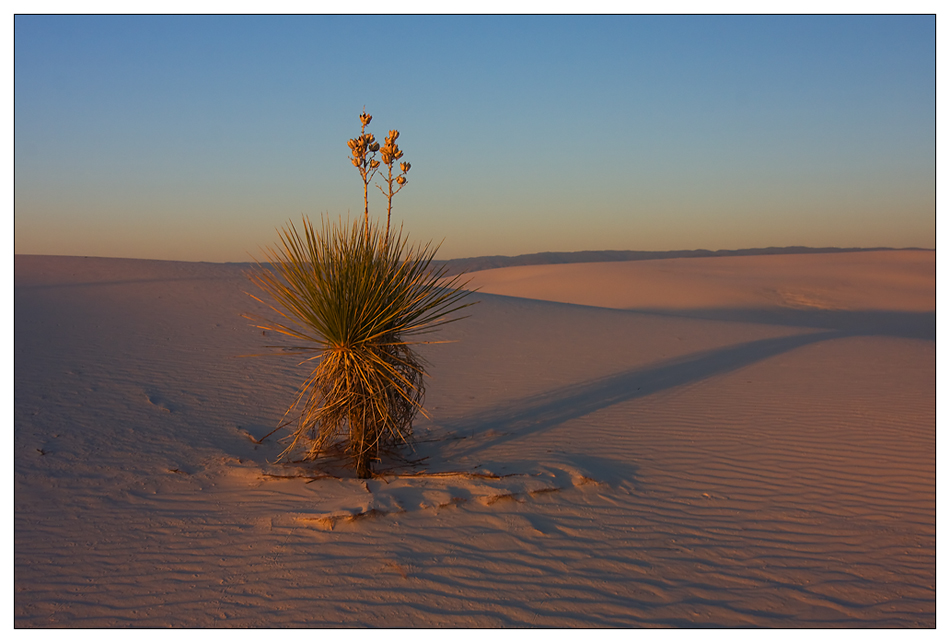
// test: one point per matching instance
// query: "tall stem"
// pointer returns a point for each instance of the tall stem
(366, 205)
(389, 199)
(365, 174)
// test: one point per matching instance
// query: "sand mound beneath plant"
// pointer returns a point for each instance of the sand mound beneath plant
(727, 441)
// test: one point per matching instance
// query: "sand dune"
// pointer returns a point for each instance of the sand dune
(729, 441)
(901, 280)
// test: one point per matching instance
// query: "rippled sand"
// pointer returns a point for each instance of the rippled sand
(729, 441)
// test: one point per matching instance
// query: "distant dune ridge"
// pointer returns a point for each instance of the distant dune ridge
(732, 441)
(471, 264)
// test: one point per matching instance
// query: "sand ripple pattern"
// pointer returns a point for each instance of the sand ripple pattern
(658, 470)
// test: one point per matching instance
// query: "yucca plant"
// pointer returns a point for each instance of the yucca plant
(351, 296)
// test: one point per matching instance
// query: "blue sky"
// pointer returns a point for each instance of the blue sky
(193, 138)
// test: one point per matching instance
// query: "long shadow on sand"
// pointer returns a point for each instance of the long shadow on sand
(884, 323)
(538, 413)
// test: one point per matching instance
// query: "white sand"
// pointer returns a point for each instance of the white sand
(724, 441)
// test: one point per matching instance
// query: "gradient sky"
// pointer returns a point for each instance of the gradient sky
(193, 138)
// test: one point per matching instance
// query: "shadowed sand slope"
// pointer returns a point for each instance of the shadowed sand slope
(749, 444)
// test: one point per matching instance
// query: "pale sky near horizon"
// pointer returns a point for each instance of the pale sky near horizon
(193, 137)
